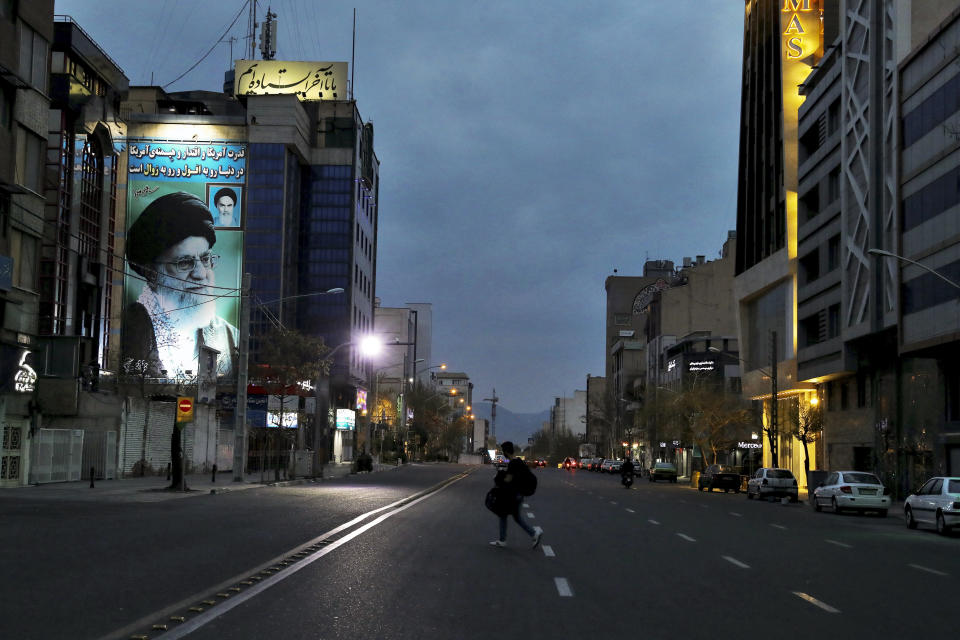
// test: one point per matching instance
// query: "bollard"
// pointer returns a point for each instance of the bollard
(91, 477)
(168, 471)
(213, 479)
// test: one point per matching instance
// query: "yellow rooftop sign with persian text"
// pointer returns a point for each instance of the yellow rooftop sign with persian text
(306, 80)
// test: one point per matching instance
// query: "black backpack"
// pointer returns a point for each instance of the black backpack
(526, 483)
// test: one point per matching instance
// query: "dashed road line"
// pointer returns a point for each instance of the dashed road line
(563, 587)
(736, 562)
(526, 506)
(613, 502)
(548, 551)
(686, 537)
(705, 506)
(736, 515)
(778, 526)
(531, 516)
(815, 602)
(653, 522)
(630, 510)
(928, 570)
(840, 544)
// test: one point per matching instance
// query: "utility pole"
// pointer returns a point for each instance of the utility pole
(493, 412)
(240, 412)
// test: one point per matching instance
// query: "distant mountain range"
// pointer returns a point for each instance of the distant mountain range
(516, 427)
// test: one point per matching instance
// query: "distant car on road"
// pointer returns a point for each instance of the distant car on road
(538, 462)
(611, 466)
(937, 502)
(719, 476)
(500, 463)
(569, 463)
(663, 471)
(854, 490)
(768, 482)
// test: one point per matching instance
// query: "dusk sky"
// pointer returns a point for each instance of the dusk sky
(527, 149)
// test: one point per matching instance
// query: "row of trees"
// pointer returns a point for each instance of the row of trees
(703, 415)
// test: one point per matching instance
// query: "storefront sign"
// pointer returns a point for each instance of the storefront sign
(346, 419)
(701, 365)
(749, 445)
(25, 379)
(361, 400)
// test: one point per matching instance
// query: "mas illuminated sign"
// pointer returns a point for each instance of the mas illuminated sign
(184, 249)
(306, 80)
(801, 28)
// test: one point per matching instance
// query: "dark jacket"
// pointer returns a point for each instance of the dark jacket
(626, 468)
(506, 478)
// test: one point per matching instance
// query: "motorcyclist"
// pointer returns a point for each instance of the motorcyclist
(626, 472)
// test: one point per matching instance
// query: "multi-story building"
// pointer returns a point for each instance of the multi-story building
(782, 41)
(691, 327)
(26, 32)
(458, 390)
(625, 345)
(840, 294)
(569, 415)
(596, 403)
(62, 238)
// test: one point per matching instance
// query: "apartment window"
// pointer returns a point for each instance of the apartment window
(833, 117)
(944, 102)
(833, 185)
(833, 321)
(6, 105)
(33, 57)
(833, 253)
(29, 158)
(813, 329)
(810, 204)
(927, 290)
(932, 200)
(810, 266)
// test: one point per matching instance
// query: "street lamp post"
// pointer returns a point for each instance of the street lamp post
(240, 413)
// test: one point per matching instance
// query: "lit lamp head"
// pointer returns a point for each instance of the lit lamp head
(370, 346)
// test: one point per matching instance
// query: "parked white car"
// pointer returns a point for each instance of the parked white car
(611, 466)
(854, 490)
(937, 502)
(768, 481)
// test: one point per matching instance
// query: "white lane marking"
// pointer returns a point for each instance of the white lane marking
(548, 550)
(212, 614)
(738, 515)
(928, 570)
(778, 526)
(683, 501)
(686, 537)
(563, 587)
(526, 506)
(840, 544)
(653, 522)
(630, 510)
(530, 515)
(814, 601)
(613, 502)
(704, 506)
(736, 562)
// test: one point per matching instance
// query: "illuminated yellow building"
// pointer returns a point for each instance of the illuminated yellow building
(783, 40)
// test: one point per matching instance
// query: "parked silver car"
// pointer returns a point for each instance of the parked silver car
(768, 481)
(854, 490)
(937, 502)
(611, 466)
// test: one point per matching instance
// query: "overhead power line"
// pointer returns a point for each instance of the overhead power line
(210, 50)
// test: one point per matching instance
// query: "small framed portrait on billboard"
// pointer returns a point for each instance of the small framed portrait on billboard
(225, 201)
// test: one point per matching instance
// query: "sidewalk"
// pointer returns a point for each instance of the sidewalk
(154, 488)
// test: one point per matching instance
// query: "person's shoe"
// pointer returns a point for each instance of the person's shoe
(536, 538)
(498, 543)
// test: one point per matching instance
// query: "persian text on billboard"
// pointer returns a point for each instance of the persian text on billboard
(184, 252)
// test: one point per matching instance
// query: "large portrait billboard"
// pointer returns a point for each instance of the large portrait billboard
(184, 249)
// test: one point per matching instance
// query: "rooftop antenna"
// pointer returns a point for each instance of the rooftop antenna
(252, 30)
(268, 36)
(493, 413)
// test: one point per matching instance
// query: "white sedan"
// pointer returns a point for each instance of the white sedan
(855, 490)
(937, 503)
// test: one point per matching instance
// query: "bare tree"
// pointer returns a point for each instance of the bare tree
(805, 424)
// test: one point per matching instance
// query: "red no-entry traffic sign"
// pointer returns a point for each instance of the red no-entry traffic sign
(184, 409)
